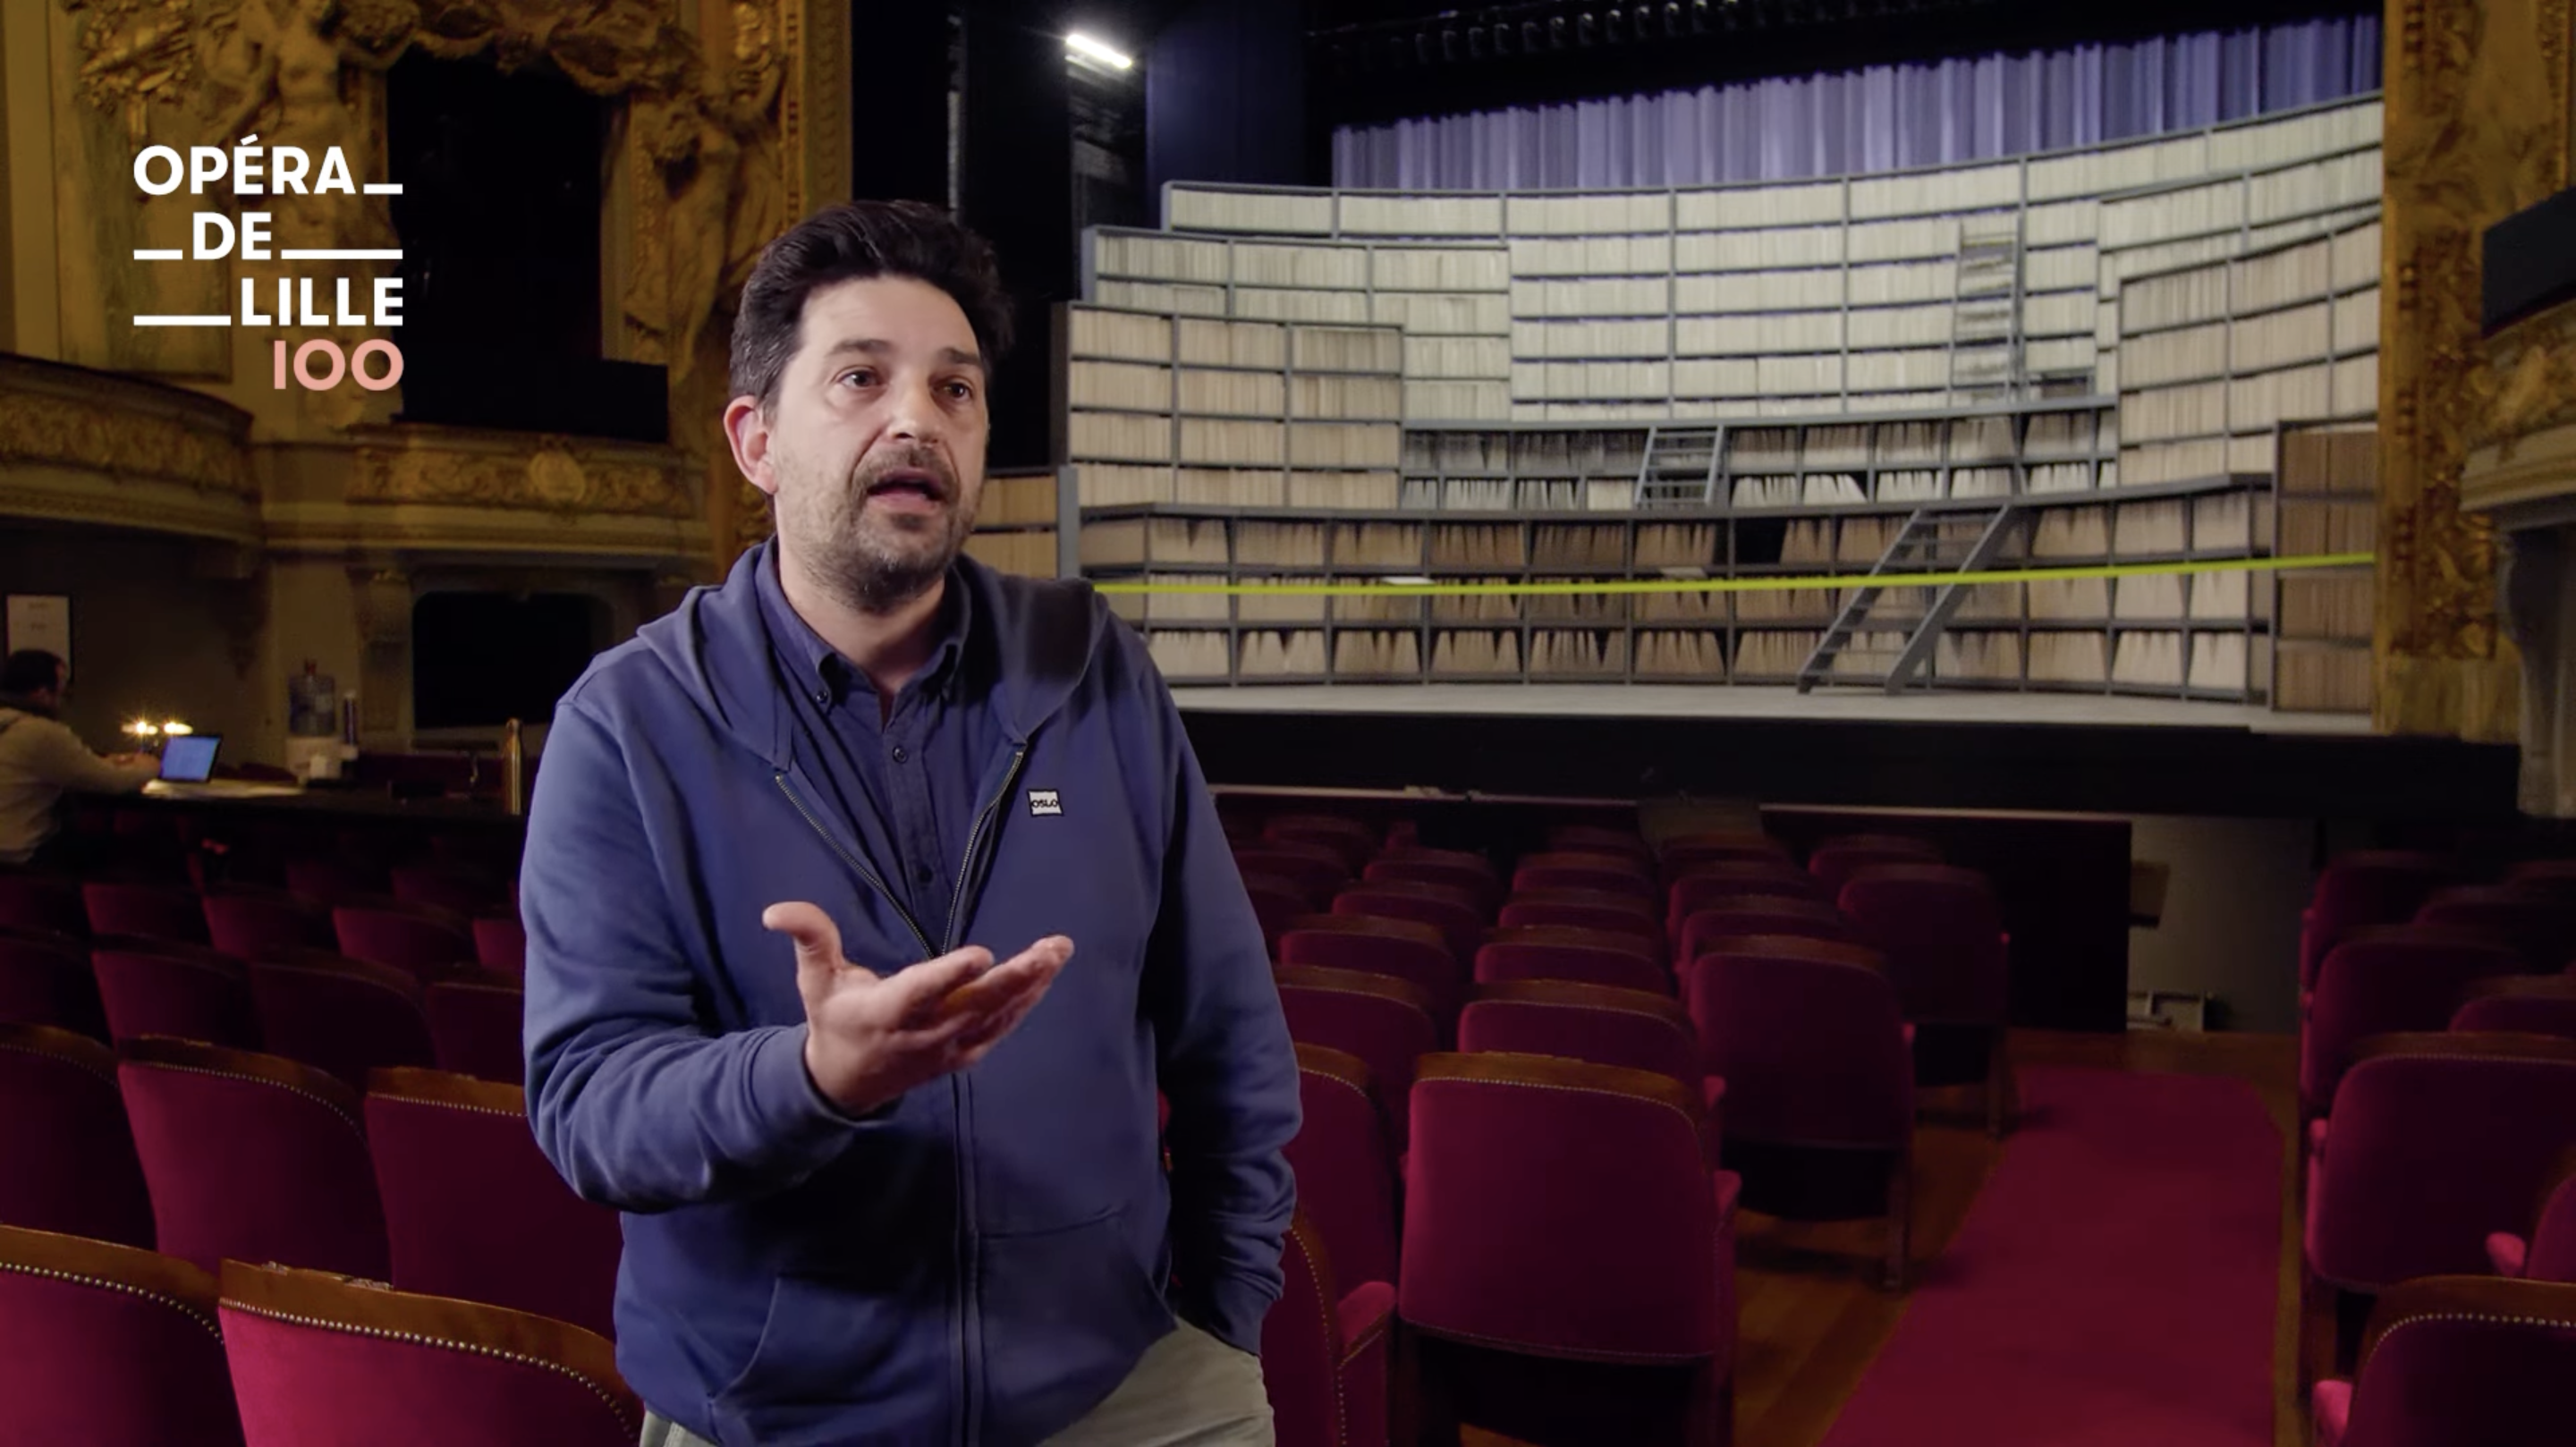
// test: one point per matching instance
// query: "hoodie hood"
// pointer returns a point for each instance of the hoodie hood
(1036, 637)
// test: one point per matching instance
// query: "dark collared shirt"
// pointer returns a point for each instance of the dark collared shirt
(906, 785)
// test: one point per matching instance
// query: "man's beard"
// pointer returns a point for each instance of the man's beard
(875, 563)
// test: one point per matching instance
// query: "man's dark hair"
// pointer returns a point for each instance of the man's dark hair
(30, 670)
(854, 240)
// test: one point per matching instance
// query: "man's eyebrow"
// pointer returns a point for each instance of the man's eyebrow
(878, 346)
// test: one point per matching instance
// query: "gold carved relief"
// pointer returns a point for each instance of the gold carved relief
(2532, 368)
(147, 439)
(714, 133)
(2476, 129)
(556, 475)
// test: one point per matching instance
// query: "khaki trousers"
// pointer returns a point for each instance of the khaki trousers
(1188, 1390)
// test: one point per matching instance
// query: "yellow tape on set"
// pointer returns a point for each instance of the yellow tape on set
(1436, 589)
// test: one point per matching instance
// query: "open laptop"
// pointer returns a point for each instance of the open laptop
(190, 758)
(188, 772)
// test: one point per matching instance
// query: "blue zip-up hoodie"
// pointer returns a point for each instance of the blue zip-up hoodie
(982, 1261)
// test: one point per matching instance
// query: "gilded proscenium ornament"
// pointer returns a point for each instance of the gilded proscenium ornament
(2476, 129)
(43, 425)
(2531, 366)
(557, 475)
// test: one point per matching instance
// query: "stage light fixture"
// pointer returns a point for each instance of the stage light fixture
(1098, 52)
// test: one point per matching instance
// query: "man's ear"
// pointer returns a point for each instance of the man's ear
(746, 427)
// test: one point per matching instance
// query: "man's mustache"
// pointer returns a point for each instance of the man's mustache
(917, 467)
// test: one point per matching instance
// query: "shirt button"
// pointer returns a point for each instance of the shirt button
(899, 754)
(822, 696)
(922, 872)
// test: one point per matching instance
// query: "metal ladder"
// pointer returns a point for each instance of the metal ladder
(1680, 468)
(1985, 311)
(1928, 543)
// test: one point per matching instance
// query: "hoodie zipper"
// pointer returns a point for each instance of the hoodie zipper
(970, 1329)
(857, 865)
(969, 1324)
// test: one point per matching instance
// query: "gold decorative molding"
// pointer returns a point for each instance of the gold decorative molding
(2533, 367)
(2476, 128)
(127, 428)
(734, 122)
(557, 475)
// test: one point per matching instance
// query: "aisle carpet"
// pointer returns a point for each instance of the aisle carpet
(2115, 1284)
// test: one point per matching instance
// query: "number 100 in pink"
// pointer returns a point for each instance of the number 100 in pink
(318, 365)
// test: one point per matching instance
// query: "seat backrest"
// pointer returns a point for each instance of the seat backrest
(1344, 1163)
(2449, 1360)
(1275, 901)
(1711, 884)
(2363, 888)
(476, 1029)
(251, 1156)
(1301, 1345)
(2434, 1142)
(1450, 911)
(1583, 910)
(1632, 1029)
(1319, 869)
(42, 904)
(1810, 1040)
(1566, 952)
(1406, 949)
(144, 911)
(451, 887)
(2542, 930)
(318, 1359)
(1608, 873)
(1355, 842)
(1758, 915)
(1942, 931)
(1383, 1020)
(2521, 1005)
(501, 945)
(1473, 876)
(347, 1018)
(329, 880)
(258, 926)
(46, 980)
(66, 1157)
(1719, 844)
(2383, 982)
(1563, 1209)
(2550, 1253)
(1835, 863)
(151, 989)
(1600, 839)
(110, 1345)
(473, 1209)
(429, 949)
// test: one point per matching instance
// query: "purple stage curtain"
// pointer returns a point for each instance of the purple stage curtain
(1882, 118)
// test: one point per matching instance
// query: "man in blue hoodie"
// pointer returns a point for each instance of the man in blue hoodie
(879, 1188)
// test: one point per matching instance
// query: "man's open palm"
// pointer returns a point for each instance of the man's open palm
(871, 1037)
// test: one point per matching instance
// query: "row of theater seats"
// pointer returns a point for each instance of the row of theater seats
(140, 1181)
(347, 989)
(1535, 1095)
(2437, 1089)
(235, 1196)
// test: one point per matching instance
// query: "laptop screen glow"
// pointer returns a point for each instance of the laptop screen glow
(190, 758)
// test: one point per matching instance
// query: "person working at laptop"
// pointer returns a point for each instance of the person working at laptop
(41, 759)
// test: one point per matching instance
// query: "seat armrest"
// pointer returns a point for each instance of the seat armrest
(2508, 1253)
(2331, 1404)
